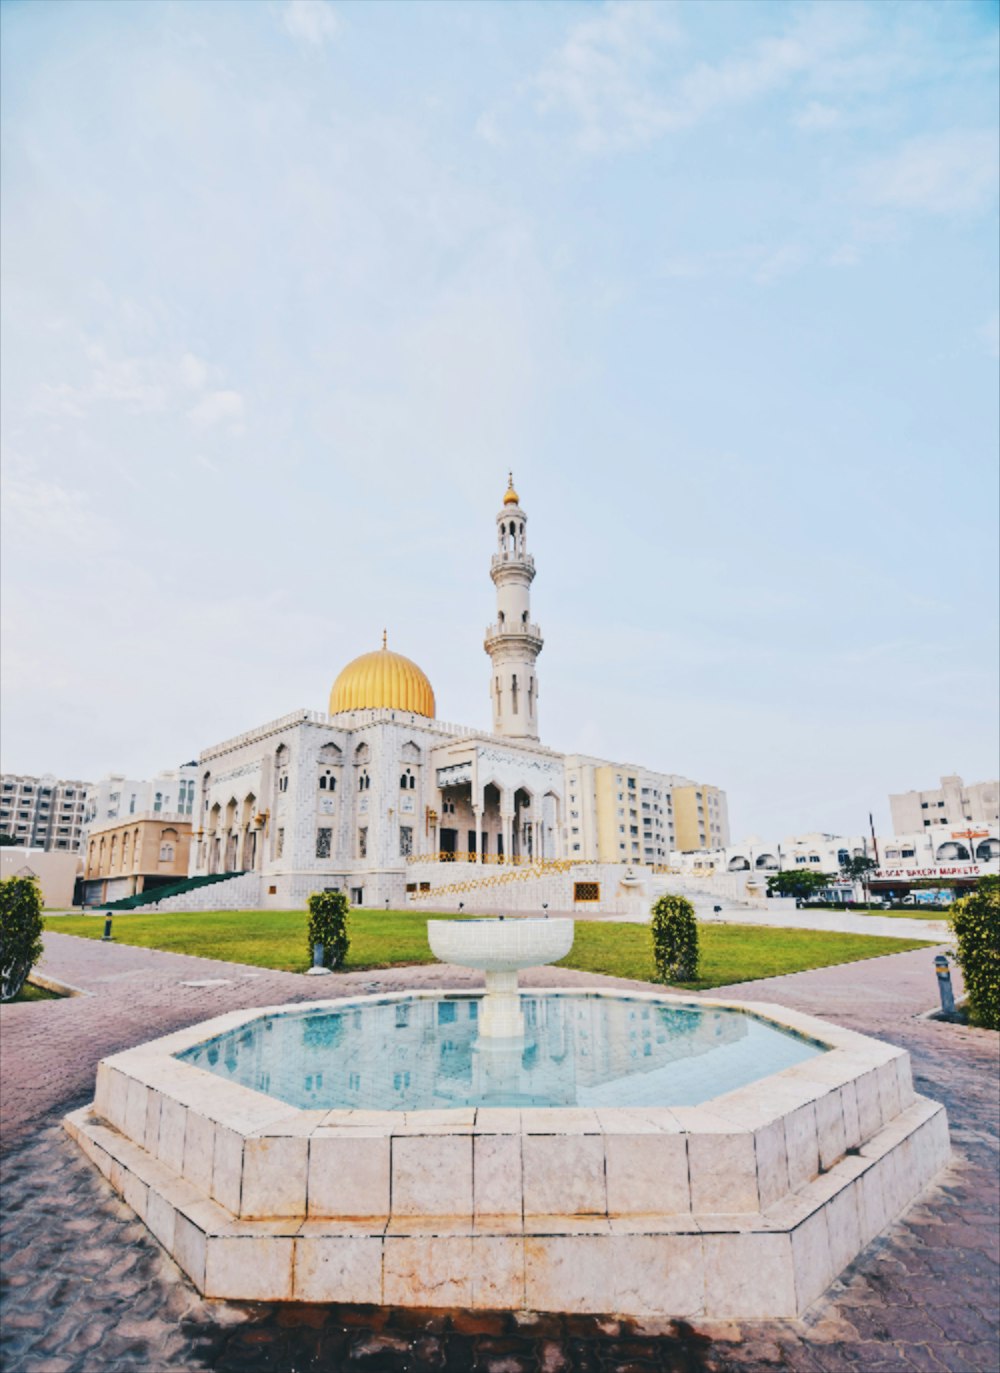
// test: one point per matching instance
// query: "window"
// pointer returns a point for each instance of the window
(279, 843)
(923, 805)
(166, 853)
(405, 841)
(363, 842)
(586, 891)
(323, 836)
(158, 801)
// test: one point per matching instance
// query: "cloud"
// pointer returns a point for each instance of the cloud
(218, 407)
(951, 173)
(194, 371)
(314, 21)
(817, 116)
(604, 73)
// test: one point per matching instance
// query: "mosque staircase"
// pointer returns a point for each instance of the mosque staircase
(155, 895)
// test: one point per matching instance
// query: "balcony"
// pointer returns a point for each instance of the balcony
(510, 559)
(513, 631)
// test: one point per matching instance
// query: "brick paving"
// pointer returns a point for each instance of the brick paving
(86, 1290)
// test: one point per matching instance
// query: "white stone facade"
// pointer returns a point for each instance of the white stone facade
(355, 801)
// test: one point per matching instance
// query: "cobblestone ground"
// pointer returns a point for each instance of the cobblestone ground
(86, 1290)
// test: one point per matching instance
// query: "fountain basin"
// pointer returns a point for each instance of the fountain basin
(747, 1205)
(498, 948)
(500, 945)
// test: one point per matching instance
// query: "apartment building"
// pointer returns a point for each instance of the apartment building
(701, 816)
(117, 797)
(43, 812)
(953, 804)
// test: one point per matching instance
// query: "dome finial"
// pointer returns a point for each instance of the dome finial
(385, 638)
(510, 495)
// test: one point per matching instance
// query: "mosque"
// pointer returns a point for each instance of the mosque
(379, 798)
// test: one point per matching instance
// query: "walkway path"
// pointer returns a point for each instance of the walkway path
(88, 1291)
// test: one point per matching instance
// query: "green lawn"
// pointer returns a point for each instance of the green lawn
(385, 939)
(31, 993)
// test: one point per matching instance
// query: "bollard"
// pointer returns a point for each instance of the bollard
(317, 969)
(107, 925)
(944, 984)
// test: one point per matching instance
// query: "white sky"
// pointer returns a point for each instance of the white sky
(288, 287)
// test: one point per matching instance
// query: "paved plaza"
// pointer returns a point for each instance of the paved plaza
(87, 1289)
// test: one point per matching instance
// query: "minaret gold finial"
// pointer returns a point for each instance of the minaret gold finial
(385, 638)
(510, 495)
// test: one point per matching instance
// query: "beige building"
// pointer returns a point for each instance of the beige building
(953, 804)
(54, 871)
(135, 854)
(701, 819)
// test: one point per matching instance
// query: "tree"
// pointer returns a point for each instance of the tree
(20, 933)
(675, 939)
(328, 926)
(800, 883)
(857, 869)
(976, 922)
(7, 841)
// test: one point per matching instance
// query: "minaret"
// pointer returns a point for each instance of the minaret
(513, 642)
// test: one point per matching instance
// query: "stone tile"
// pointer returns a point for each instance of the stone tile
(227, 1169)
(349, 1176)
(251, 1269)
(801, 1145)
(811, 1259)
(152, 1137)
(189, 1250)
(657, 1274)
(496, 1172)
(427, 1272)
(869, 1105)
(341, 1268)
(564, 1273)
(831, 1134)
(564, 1175)
(723, 1173)
(772, 1163)
(173, 1123)
(748, 1276)
(498, 1272)
(136, 1101)
(843, 1223)
(432, 1175)
(199, 1152)
(647, 1174)
(888, 1089)
(872, 1212)
(161, 1218)
(852, 1120)
(135, 1193)
(274, 1177)
(497, 1120)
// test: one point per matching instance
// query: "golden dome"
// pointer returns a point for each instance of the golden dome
(382, 680)
(510, 496)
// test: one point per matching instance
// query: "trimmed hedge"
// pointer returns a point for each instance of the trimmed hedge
(328, 926)
(20, 933)
(675, 939)
(975, 920)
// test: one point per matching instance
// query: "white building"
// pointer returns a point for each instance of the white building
(357, 797)
(43, 812)
(116, 797)
(953, 805)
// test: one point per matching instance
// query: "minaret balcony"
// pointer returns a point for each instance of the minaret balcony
(512, 560)
(498, 633)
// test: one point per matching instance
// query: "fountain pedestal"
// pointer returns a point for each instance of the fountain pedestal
(499, 948)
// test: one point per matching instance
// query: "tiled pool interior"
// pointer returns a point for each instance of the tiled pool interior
(425, 1054)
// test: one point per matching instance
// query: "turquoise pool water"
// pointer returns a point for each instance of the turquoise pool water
(425, 1053)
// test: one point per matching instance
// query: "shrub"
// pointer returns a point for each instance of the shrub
(20, 933)
(328, 926)
(975, 920)
(675, 939)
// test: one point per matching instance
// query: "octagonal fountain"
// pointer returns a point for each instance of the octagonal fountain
(602, 1151)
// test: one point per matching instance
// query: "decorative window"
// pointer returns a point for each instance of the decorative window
(166, 853)
(405, 840)
(363, 842)
(279, 843)
(586, 891)
(323, 836)
(407, 781)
